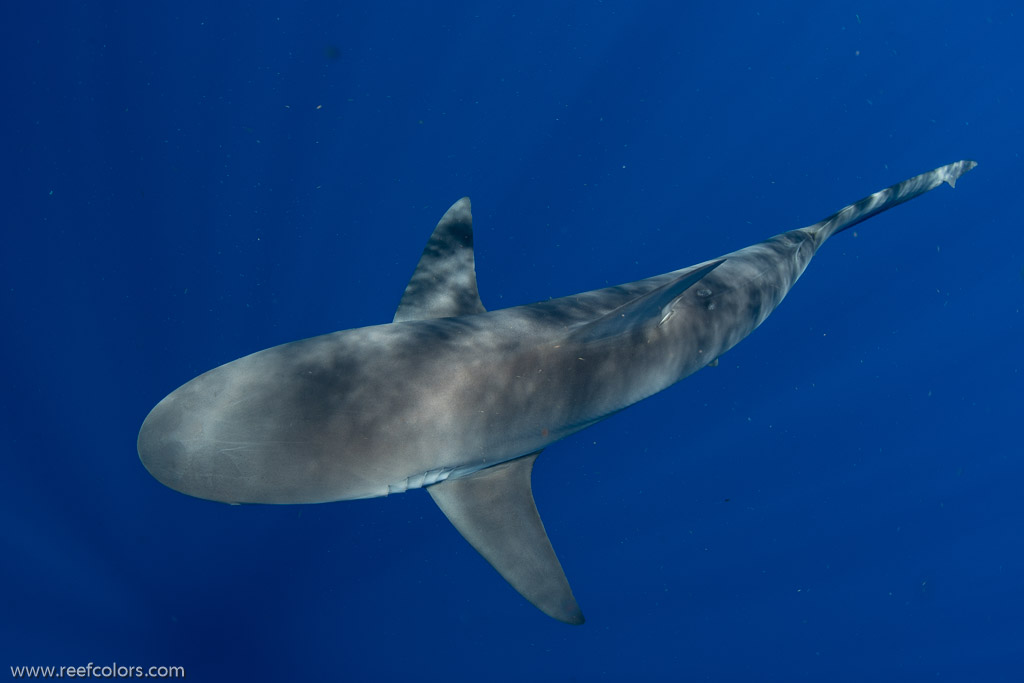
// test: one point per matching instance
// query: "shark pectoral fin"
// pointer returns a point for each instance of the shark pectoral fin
(654, 307)
(494, 510)
(444, 282)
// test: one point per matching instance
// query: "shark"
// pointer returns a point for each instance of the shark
(460, 400)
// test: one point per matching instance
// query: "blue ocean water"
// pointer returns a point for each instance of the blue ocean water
(186, 183)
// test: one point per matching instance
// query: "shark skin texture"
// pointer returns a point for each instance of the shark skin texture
(460, 400)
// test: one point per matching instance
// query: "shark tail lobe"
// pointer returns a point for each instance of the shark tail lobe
(883, 200)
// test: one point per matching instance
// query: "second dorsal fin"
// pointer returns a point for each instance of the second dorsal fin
(444, 282)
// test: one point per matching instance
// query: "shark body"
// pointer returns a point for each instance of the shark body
(460, 400)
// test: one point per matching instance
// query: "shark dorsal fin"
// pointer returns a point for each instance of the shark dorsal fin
(652, 308)
(444, 283)
(494, 510)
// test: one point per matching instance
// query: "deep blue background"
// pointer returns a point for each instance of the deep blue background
(839, 500)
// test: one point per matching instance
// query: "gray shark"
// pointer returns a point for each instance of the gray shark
(460, 400)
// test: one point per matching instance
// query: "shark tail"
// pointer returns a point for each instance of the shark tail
(883, 200)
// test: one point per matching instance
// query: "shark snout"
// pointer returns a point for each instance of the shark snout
(161, 448)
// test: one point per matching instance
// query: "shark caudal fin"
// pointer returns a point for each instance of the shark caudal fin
(884, 200)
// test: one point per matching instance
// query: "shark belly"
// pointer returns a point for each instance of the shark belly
(355, 414)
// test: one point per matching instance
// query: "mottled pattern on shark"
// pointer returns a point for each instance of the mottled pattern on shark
(460, 400)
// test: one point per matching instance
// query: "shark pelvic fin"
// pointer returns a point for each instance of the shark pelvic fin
(444, 282)
(654, 308)
(494, 510)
